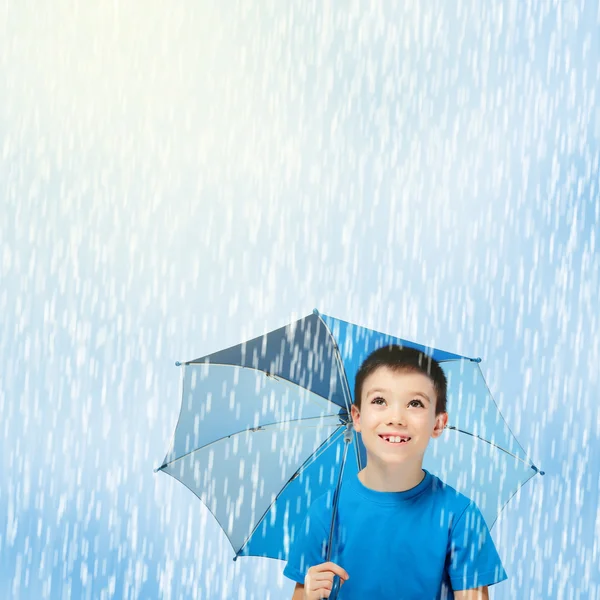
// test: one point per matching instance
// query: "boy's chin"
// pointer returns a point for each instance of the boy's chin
(393, 458)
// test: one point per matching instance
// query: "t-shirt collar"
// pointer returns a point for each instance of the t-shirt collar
(357, 486)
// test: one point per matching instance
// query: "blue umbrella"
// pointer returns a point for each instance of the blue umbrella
(265, 428)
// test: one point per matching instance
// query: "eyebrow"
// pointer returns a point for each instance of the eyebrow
(380, 390)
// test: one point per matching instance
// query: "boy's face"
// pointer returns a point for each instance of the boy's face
(397, 404)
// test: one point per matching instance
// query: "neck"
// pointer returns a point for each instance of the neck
(391, 478)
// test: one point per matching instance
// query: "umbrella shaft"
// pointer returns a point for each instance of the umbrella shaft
(336, 580)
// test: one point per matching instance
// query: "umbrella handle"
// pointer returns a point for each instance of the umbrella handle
(347, 439)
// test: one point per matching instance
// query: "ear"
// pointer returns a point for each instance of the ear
(441, 421)
(355, 417)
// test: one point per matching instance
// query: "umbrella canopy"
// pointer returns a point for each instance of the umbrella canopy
(261, 429)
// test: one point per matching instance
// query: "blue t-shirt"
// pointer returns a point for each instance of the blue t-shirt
(419, 544)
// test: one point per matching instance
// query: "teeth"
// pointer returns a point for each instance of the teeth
(396, 439)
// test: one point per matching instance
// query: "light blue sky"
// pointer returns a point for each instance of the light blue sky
(177, 178)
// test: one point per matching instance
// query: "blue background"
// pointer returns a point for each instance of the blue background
(176, 178)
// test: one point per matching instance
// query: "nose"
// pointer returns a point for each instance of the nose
(396, 415)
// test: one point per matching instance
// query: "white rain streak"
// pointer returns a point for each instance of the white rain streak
(177, 179)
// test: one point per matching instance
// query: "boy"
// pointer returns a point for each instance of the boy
(400, 533)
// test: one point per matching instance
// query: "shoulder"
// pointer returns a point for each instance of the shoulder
(451, 500)
(320, 509)
(447, 494)
(466, 524)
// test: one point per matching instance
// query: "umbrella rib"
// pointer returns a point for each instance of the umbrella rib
(509, 499)
(490, 395)
(498, 409)
(248, 429)
(313, 456)
(488, 442)
(206, 505)
(345, 384)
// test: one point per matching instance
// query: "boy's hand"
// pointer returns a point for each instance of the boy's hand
(319, 580)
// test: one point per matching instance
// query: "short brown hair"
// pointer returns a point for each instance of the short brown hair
(404, 358)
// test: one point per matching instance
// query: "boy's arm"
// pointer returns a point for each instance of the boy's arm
(480, 593)
(298, 592)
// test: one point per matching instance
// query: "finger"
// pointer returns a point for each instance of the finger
(317, 584)
(330, 566)
(317, 593)
(323, 582)
(319, 578)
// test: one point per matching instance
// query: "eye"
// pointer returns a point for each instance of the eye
(416, 403)
(378, 400)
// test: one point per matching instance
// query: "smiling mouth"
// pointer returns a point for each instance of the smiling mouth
(395, 439)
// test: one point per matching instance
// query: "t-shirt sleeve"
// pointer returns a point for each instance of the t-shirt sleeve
(308, 546)
(473, 560)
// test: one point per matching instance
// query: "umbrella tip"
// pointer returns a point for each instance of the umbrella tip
(537, 470)
(315, 312)
(177, 363)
